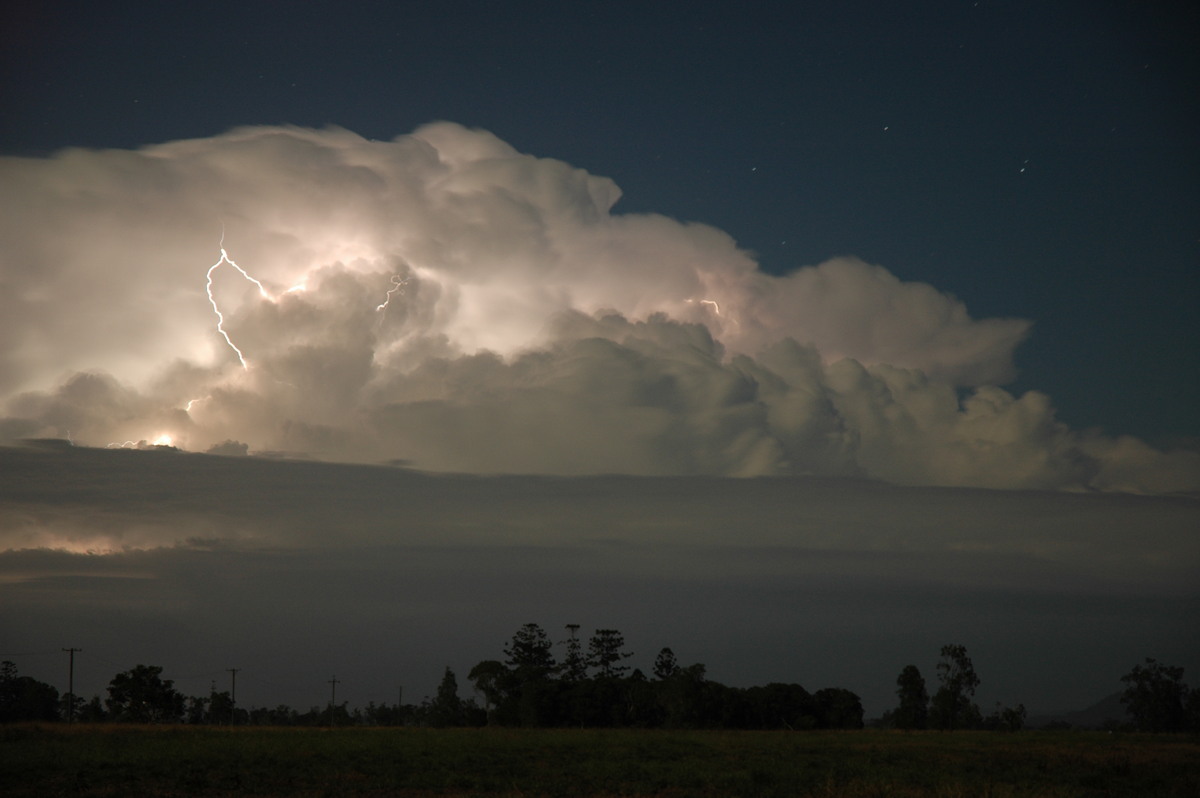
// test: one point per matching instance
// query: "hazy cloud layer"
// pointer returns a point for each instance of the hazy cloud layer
(446, 301)
(298, 570)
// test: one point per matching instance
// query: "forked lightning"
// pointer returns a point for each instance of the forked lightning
(208, 286)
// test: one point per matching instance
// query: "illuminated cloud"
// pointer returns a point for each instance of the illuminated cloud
(446, 301)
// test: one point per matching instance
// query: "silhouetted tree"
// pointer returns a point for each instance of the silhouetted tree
(495, 681)
(220, 708)
(723, 707)
(574, 665)
(1192, 711)
(604, 653)
(332, 715)
(522, 690)
(92, 712)
(1156, 697)
(195, 710)
(665, 664)
(282, 715)
(447, 707)
(1008, 719)
(531, 695)
(779, 706)
(913, 712)
(952, 706)
(682, 697)
(838, 709)
(71, 706)
(25, 698)
(641, 702)
(141, 695)
(529, 653)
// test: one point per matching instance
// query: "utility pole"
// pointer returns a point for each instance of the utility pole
(333, 682)
(71, 685)
(233, 696)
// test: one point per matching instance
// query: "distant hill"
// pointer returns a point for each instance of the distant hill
(1098, 715)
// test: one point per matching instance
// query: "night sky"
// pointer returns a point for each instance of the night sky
(526, 288)
(1037, 161)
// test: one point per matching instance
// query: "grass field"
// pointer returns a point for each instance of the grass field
(174, 761)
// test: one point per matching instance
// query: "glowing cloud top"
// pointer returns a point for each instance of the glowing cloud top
(445, 301)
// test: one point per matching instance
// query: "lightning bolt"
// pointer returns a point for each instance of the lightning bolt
(398, 284)
(208, 287)
(716, 308)
(724, 319)
(162, 440)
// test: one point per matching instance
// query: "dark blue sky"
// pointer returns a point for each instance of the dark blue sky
(1037, 160)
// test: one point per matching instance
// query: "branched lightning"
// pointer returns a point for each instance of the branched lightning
(208, 286)
(398, 284)
(397, 287)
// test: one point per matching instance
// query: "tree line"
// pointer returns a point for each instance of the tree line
(591, 686)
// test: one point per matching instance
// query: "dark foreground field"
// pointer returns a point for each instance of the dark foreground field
(174, 761)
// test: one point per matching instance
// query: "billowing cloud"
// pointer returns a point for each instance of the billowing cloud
(445, 301)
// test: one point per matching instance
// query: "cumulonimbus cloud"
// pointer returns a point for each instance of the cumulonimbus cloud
(444, 300)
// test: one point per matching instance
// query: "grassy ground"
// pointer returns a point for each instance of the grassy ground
(175, 761)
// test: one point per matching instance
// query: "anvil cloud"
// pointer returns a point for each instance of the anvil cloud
(535, 330)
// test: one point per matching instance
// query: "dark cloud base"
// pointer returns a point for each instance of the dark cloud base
(298, 570)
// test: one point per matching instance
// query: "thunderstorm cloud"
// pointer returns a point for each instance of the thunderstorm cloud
(445, 301)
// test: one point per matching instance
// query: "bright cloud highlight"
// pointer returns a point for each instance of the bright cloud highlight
(446, 301)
